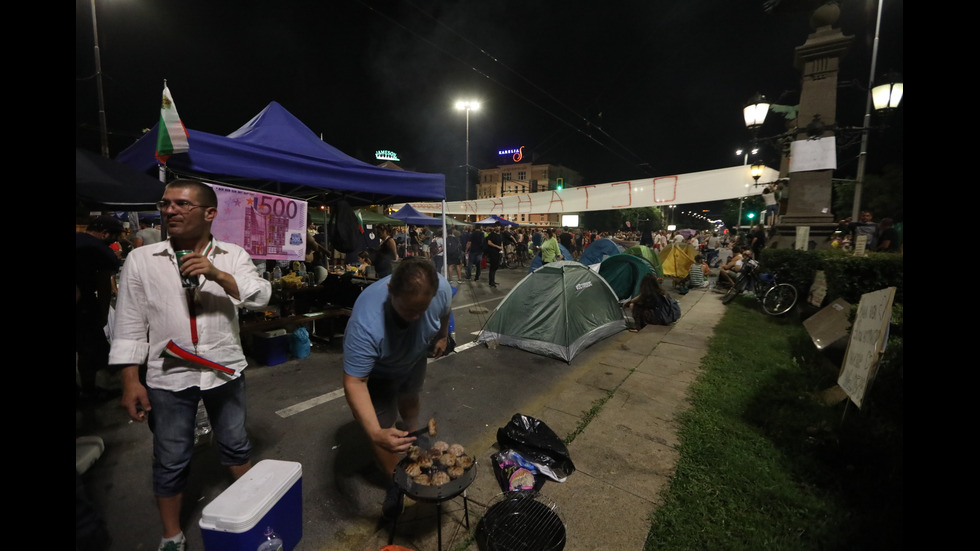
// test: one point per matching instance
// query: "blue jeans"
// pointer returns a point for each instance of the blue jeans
(172, 418)
(475, 259)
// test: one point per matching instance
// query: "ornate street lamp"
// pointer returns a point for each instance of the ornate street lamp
(755, 111)
(888, 95)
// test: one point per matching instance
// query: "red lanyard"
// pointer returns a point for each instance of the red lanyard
(191, 303)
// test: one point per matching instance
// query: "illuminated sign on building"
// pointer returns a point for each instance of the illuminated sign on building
(385, 155)
(518, 153)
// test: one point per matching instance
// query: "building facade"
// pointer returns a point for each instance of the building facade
(523, 178)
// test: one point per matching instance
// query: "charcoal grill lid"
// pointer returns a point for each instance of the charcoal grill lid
(523, 520)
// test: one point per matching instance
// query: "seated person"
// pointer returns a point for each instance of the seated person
(365, 258)
(698, 276)
(734, 265)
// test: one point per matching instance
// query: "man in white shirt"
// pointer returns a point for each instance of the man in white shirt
(181, 320)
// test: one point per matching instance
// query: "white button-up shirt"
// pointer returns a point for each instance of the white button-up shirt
(152, 310)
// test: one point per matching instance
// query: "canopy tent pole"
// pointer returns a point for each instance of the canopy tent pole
(445, 247)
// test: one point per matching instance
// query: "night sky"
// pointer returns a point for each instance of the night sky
(615, 90)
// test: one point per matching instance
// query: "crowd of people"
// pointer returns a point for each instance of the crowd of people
(175, 341)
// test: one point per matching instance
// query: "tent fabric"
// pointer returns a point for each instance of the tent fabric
(557, 311)
(493, 219)
(412, 217)
(623, 273)
(105, 184)
(650, 255)
(276, 153)
(677, 258)
(536, 262)
(598, 250)
(369, 217)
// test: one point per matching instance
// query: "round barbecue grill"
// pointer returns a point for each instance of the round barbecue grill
(521, 521)
(433, 494)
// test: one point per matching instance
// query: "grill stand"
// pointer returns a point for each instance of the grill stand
(466, 518)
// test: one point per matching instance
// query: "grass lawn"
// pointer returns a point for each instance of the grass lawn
(765, 464)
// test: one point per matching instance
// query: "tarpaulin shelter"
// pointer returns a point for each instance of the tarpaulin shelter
(276, 153)
(677, 258)
(557, 311)
(649, 254)
(494, 219)
(105, 184)
(599, 249)
(623, 272)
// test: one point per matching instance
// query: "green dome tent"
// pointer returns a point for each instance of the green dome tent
(623, 272)
(650, 255)
(558, 310)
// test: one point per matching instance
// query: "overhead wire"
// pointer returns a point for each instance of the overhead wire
(588, 123)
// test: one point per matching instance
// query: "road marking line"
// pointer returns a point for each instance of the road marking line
(476, 303)
(313, 402)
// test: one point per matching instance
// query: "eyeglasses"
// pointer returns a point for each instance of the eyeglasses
(180, 205)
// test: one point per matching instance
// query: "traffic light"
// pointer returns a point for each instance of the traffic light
(751, 215)
(560, 184)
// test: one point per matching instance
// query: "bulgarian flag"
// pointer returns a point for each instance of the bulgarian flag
(174, 351)
(171, 134)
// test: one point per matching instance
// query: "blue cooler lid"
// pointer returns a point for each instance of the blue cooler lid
(240, 507)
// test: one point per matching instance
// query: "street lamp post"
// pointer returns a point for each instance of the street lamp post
(103, 132)
(885, 97)
(467, 105)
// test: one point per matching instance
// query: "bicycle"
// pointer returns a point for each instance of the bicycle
(776, 298)
(513, 256)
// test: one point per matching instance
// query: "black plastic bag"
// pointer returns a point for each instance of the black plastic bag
(537, 443)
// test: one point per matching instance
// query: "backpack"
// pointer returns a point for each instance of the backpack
(344, 229)
(453, 248)
(668, 309)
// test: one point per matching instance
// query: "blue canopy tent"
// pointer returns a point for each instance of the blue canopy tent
(412, 217)
(493, 219)
(276, 153)
(105, 184)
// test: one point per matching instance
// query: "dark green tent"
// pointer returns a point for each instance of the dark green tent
(650, 255)
(558, 310)
(623, 272)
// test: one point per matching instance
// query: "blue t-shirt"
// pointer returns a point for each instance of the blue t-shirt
(375, 346)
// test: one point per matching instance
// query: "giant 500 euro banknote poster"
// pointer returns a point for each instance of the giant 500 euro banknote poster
(267, 226)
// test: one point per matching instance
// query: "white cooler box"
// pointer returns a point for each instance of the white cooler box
(268, 495)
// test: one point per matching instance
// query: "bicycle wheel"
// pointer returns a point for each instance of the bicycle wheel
(779, 300)
(735, 289)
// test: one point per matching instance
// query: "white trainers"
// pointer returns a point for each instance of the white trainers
(172, 545)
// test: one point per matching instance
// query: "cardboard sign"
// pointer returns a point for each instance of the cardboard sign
(868, 338)
(818, 291)
(802, 238)
(829, 325)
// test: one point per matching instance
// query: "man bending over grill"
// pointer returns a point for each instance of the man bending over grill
(394, 325)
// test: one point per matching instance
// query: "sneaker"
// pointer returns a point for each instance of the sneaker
(393, 505)
(172, 545)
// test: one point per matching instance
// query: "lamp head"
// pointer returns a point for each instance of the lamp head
(887, 95)
(755, 111)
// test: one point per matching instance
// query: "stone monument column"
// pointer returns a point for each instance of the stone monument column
(818, 59)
